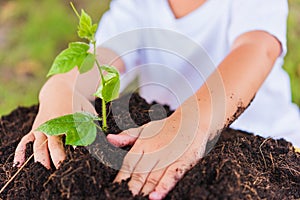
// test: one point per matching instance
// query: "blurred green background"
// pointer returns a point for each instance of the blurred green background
(33, 32)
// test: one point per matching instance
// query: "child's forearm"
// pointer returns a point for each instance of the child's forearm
(234, 84)
(63, 93)
(56, 95)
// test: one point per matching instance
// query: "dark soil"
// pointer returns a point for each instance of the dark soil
(241, 165)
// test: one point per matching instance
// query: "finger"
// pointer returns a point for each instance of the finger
(152, 181)
(128, 166)
(172, 175)
(19, 158)
(127, 137)
(136, 182)
(40, 149)
(121, 140)
(56, 149)
(140, 175)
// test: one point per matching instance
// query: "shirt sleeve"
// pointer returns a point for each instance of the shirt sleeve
(264, 15)
(117, 30)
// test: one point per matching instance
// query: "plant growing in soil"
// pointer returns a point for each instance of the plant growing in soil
(81, 127)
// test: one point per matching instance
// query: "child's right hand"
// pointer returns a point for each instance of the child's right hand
(57, 98)
(45, 148)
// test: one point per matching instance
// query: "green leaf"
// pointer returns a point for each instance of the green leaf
(110, 69)
(73, 56)
(86, 28)
(109, 90)
(87, 64)
(80, 128)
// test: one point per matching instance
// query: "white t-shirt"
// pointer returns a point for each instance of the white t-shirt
(173, 57)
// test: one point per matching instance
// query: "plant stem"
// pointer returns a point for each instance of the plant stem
(101, 73)
(104, 121)
(74, 9)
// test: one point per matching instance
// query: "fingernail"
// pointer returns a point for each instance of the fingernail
(134, 192)
(15, 164)
(155, 196)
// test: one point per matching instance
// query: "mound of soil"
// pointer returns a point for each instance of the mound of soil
(240, 166)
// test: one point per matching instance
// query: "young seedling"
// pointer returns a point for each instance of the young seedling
(80, 128)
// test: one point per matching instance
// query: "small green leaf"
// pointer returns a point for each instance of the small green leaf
(86, 28)
(73, 56)
(109, 90)
(110, 69)
(87, 64)
(80, 128)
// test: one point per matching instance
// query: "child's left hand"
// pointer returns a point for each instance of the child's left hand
(162, 153)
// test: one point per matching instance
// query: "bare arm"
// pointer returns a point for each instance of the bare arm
(242, 73)
(150, 164)
(62, 94)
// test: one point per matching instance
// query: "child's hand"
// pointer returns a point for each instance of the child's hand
(44, 147)
(162, 153)
(47, 148)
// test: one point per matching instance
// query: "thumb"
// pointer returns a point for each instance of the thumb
(127, 137)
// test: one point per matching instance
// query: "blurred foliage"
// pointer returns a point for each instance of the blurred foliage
(33, 32)
(292, 59)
